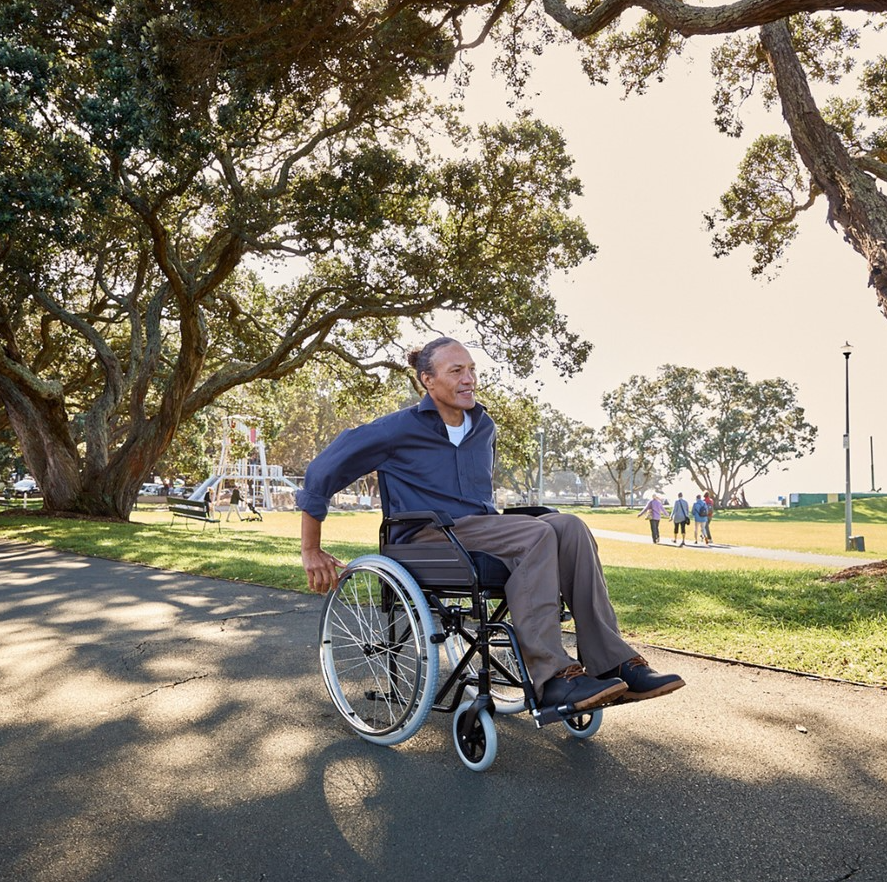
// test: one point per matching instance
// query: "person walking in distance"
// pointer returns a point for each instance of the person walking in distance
(700, 519)
(653, 511)
(680, 516)
(709, 501)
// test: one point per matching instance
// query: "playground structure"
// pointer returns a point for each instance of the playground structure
(259, 482)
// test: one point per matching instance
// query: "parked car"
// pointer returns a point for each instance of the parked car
(184, 492)
(151, 490)
(26, 485)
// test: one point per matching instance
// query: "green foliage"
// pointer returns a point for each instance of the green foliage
(517, 417)
(568, 444)
(323, 399)
(157, 162)
(639, 55)
(873, 83)
(760, 208)
(192, 452)
(11, 461)
(630, 439)
(739, 68)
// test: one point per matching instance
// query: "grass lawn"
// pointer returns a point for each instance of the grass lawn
(765, 612)
(817, 528)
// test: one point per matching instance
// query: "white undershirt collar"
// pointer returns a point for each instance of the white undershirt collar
(458, 433)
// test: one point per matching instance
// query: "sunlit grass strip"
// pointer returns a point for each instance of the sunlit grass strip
(248, 555)
(792, 620)
(814, 537)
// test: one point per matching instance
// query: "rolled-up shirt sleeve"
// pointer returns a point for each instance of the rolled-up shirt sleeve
(352, 454)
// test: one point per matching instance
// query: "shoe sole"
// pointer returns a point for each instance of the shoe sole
(605, 696)
(667, 689)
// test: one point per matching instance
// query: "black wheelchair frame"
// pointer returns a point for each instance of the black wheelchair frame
(383, 624)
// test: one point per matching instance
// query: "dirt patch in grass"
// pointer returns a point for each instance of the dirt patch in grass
(877, 569)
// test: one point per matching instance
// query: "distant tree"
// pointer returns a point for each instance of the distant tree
(630, 440)
(11, 462)
(599, 482)
(322, 400)
(719, 426)
(568, 444)
(631, 477)
(518, 416)
(192, 453)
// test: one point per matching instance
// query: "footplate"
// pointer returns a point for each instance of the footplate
(559, 713)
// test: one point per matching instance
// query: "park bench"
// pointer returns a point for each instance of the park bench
(195, 510)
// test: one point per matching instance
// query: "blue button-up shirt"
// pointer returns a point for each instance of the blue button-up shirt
(421, 467)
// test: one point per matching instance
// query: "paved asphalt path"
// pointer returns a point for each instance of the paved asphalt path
(159, 726)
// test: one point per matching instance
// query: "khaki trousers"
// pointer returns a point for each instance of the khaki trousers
(549, 556)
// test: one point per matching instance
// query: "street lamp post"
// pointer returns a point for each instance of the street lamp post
(541, 434)
(846, 349)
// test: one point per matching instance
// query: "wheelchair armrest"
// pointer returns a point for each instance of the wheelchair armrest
(437, 518)
(534, 510)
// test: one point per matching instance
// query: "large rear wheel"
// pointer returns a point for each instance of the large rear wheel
(379, 665)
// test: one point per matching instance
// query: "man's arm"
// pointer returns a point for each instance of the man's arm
(320, 566)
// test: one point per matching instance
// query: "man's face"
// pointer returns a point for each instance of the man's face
(453, 382)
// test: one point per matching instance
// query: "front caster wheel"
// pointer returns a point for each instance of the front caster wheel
(476, 747)
(584, 725)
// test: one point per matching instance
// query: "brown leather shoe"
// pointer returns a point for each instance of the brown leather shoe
(572, 686)
(643, 682)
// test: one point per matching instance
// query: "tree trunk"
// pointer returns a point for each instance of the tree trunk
(853, 197)
(99, 483)
(115, 490)
(43, 431)
(52, 455)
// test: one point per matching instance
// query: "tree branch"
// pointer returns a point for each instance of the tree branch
(694, 20)
(854, 200)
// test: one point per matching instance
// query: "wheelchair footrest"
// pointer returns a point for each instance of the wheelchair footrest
(555, 714)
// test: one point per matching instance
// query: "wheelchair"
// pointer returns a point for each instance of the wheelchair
(383, 627)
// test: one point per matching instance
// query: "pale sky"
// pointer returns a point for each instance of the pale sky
(654, 294)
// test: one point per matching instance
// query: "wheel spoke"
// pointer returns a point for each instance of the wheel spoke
(376, 655)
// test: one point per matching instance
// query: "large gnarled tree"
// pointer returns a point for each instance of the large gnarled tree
(147, 150)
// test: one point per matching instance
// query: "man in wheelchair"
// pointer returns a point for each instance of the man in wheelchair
(438, 456)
